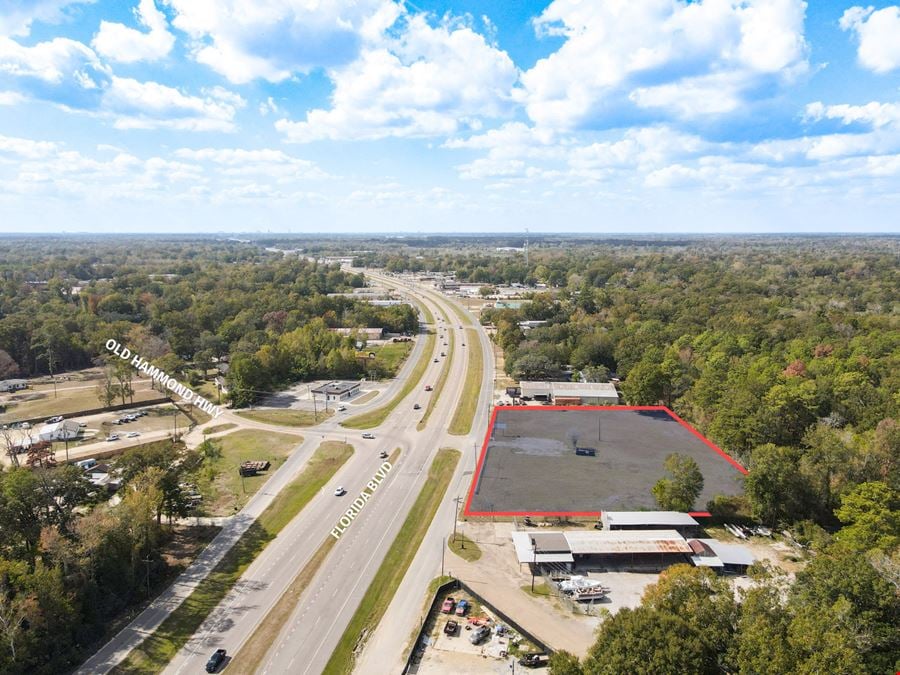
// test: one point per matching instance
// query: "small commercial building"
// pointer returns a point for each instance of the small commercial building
(602, 549)
(542, 548)
(337, 391)
(683, 523)
(13, 385)
(364, 333)
(721, 557)
(570, 393)
(60, 431)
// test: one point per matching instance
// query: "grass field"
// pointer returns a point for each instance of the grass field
(393, 568)
(224, 491)
(287, 418)
(375, 417)
(439, 385)
(461, 424)
(464, 547)
(391, 355)
(155, 652)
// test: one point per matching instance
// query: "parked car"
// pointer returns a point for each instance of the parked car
(462, 607)
(368, 436)
(534, 660)
(112, 437)
(448, 605)
(26, 425)
(51, 420)
(451, 627)
(132, 434)
(479, 634)
(342, 408)
(216, 660)
(339, 491)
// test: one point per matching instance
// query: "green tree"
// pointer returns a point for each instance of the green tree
(564, 663)
(778, 492)
(870, 514)
(680, 491)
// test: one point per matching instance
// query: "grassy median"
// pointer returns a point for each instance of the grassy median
(395, 564)
(461, 424)
(155, 652)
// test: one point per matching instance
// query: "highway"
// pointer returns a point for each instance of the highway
(318, 621)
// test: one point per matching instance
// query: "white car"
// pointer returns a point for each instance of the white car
(342, 408)
(112, 437)
(132, 434)
(339, 491)
(368, 436)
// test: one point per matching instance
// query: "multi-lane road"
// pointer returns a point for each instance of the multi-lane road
(324, 610)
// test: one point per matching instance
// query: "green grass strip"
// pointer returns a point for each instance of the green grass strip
(464, 547)
(155, 652)
(393, 568)
(288, 418)
(461, 424)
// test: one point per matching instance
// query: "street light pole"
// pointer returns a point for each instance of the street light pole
(533, 562)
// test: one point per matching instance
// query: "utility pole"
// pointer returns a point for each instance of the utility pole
(458, 501)
(147, 562)
(443, 546)
(533, 562)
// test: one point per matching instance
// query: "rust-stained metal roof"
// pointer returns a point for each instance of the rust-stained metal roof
(626, 541)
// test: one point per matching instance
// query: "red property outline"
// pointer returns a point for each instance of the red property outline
(581, 514)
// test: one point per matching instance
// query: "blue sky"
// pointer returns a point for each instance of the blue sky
(454, 116)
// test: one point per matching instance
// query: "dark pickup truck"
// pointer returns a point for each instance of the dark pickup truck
(451, 627)
(534, 660)
(216, 660)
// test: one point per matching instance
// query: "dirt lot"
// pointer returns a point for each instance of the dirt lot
(531, 465)
(77, 393)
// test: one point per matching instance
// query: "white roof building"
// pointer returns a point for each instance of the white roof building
(621, 520)
(59, 431)
(588, 392)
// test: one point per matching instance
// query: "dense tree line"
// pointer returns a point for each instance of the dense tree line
(175, 302)
(69, 563)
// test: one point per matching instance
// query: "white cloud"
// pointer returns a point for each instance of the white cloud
(275, 39)
(269, 107)
(874, 113)
(150, 105)
(668, 56)
(427, 81)
(16, 16)
(205, 176)
(276, 164)
(878, 33)
(121, 43)
(25, 147)
(11, 98)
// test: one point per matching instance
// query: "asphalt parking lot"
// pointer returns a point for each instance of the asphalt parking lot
(531, 465)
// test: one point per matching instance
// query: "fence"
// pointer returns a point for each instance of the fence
(415, 652)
